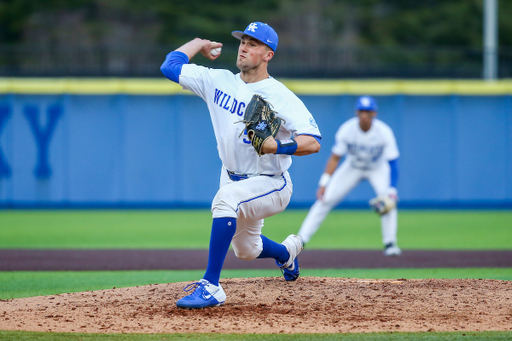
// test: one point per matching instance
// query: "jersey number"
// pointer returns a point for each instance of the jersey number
(245, 138)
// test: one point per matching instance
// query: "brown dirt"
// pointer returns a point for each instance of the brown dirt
(271, 305)
(82, 260)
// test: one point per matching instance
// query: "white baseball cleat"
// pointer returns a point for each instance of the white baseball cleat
(290, 269)
(392, 250)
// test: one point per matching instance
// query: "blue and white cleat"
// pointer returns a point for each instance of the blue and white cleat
(204, 295)
(290, 269)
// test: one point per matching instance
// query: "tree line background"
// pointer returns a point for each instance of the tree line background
(317, 38)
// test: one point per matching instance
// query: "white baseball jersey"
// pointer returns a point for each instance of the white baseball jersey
(365, 150)
(227, 96)
(367, 155)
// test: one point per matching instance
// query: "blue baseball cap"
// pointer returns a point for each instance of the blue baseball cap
(366, 103)
(260, 31)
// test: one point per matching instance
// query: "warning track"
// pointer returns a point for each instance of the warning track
(81, 260)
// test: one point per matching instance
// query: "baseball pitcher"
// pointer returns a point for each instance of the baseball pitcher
(258, 124)
(371, 153)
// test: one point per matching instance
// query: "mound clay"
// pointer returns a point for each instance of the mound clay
(271, 305)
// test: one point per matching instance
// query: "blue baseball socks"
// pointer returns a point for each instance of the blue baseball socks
(271, 249)
(223, 230)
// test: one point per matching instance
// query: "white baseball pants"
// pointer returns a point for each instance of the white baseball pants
(250, 201)
(342, 181)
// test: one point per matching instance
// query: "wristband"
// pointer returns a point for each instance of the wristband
(286, 147)
(324, 179)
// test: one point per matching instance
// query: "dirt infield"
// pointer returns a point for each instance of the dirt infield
(271, 305)
(266, 305)
(80, 260)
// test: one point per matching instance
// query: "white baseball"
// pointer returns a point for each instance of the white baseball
(215, 52)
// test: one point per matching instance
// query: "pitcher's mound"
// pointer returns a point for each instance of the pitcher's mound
(272, 305)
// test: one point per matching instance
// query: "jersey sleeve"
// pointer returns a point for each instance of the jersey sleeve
(171, 67)
(297, 118)
(340, 145)
(391, 150)
(197, 79)
(306, 125)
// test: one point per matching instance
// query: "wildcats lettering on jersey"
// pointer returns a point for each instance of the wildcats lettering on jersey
(374, 151)
(229, 103)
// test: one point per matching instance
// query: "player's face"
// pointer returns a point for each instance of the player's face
(251, 53)
(365, 118)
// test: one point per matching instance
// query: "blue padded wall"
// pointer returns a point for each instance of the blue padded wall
(159, 151)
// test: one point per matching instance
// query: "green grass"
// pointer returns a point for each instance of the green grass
(456, 336)
(190, 229)
(104, 229)
(16, 284)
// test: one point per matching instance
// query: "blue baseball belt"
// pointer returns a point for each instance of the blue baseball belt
(238, 176)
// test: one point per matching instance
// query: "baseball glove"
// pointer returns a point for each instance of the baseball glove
(260, 121)
(382, 204)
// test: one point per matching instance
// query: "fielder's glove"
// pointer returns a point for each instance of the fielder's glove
(260, 122)
(384, 203)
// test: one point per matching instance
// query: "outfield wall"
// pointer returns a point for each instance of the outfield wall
(147, 143)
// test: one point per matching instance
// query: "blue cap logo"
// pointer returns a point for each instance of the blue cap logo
(366, 103)
(260, 31)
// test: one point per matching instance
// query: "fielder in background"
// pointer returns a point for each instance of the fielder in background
(254, 180)
(372, 154)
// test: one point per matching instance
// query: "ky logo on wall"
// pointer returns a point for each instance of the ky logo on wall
(42, 136)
